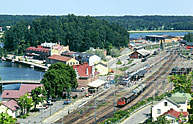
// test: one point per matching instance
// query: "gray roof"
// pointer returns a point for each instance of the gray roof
(143, 52)
(189, 43)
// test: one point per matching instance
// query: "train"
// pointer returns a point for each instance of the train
(135, 75)
(177, 70)
(131, 95)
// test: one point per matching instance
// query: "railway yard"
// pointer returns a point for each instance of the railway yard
(102, 106)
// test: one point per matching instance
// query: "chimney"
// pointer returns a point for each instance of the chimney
(86, 71)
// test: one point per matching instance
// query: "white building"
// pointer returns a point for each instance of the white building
(177, 103)
(11, 108)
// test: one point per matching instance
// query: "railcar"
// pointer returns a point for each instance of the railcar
(131, 96)
(126, 99)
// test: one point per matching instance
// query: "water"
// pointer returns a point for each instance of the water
(138, 35)
(15, 71)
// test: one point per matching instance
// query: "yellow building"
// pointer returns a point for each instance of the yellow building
(102, 68)
(66, 60)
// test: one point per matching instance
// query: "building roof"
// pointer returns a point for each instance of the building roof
(184, 95)
(60, 58)
(96, 83)
(24, 88)
(143, 52)
(189, 43)
(174, 113)
(179, 100)
(48, 44)
(38, 49)
(84, 70)
(11, 104)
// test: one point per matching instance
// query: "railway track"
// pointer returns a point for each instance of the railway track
(77, 116)
(164, 70)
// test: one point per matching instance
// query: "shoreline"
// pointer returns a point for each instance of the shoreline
(157, 31)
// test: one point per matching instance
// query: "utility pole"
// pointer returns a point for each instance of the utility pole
(114, 100)
(95, 111)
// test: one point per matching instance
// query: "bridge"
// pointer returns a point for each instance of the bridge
(20, 81)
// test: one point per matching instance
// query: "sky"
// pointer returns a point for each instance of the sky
(97, 7)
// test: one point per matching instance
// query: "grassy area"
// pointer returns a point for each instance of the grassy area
(123, 69)
(130, 61)
(155, 46)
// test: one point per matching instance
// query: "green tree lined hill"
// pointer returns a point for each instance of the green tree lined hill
(78, 32)
(8, 20)
(154, 22)
(151, 22)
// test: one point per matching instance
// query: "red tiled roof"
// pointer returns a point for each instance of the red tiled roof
(82, 69)
(15, 94)
(174, 113)
(11, 104)
(38, 49)
(60, 58)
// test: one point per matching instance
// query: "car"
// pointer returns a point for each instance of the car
(49, 103)
(53, 100)
(143, 60)
(67, 101)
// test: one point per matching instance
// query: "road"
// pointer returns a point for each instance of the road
(139, 117)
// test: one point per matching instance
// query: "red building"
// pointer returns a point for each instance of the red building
(38, 53)
(85, 74)
(142, 53)
(189, 45)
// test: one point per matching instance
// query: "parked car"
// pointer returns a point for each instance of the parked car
(49, 103)
(67, 101)
(143, 60)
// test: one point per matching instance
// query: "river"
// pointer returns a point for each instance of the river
(138, 35)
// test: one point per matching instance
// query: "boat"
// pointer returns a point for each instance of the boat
(32, 66)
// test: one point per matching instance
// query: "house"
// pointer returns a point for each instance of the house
(11, 107)
(84, 57)
(141, 53)
(55, 49)
(175, 117)
(45, 50)
(64, 59)
(176, 102)
(1, 29)
(189, 45)
(102, 68)
(37, 53)
(15, 94)
(85, 74)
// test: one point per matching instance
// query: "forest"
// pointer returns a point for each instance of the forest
(151, 22)
(79, 32)
(154, 22)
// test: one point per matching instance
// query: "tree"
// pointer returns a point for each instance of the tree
(114, 52)
(162, 120)
(80, 33)
(188, 37)
(59, 77)
(6, 119)
(25, 102)
(182, 83)
(38, 95)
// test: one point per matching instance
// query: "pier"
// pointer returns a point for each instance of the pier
(20, 81)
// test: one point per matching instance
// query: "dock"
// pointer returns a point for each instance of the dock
(31, 64)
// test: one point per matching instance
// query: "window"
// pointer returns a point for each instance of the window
(70, 63)
(181, 110)
(165, 103)
(73, 63)
(158, 111)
